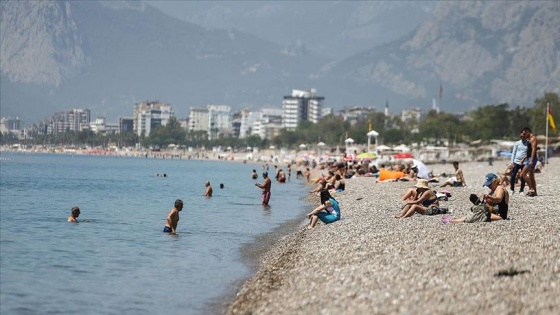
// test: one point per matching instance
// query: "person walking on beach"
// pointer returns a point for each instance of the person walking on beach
(265, 186)
(518, 155)
(208, 191)
(74, 215)
(328, 212)
(458, 180)
(173, 218)
(528, 172)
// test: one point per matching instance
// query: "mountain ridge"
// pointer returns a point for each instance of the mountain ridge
(106, 56)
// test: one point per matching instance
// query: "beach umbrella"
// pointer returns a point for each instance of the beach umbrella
(302, 146)
(366, 156)
(404, 156)
(382, 148)
(402, 148)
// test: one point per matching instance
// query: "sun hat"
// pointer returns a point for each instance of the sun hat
(490, 177)
(422, 183)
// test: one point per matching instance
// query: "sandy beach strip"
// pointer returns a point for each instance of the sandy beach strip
(372, 263)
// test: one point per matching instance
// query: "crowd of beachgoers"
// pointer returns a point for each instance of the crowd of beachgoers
(389, 243)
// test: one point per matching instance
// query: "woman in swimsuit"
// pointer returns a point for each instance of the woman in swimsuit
(423, 199)
(328, 212)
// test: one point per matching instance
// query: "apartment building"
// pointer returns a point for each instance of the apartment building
(301, 105)
(150, 115)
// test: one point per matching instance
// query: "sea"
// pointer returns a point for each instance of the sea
(117, 260)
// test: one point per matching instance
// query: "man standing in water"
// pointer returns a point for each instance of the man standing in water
(173, 218)
(265, 186)
(208, 191)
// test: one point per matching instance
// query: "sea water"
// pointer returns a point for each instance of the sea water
(117, 260)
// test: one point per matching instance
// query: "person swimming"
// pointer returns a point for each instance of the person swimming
(74, 215)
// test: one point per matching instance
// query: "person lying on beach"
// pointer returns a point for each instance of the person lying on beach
(328, 212)
(74, 215)
(424, 199)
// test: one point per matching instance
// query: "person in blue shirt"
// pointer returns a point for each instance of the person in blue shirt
(518, 155)
(328, 211)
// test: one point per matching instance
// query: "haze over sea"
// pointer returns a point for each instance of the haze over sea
(117, 260)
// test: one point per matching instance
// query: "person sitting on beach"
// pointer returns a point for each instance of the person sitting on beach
(208, 191)
(497, 202)
(254, 175)
(424, 198)
(328, 212)
(339, 184)
(321, 184)
(173, 218)
(458, 180)
(74, 215)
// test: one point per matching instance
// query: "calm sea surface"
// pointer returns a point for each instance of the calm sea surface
(117, 260)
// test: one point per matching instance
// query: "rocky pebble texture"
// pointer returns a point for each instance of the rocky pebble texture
(371, 263)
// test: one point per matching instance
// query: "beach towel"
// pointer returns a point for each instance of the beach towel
(385, 174)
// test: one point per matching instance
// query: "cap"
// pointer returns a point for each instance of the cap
(265, 173)
(490, 177)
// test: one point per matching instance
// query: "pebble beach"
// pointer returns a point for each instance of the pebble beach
(371, 263)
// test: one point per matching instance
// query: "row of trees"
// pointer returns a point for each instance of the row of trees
(484, 123)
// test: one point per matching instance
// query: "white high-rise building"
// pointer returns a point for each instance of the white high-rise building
(214, 119)
(263, 121)
(150, 115)
(301, 105)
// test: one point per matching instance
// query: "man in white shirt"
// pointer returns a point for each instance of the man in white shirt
(518, 155)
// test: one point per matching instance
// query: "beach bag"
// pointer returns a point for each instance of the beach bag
(478, 213)
(436, 210)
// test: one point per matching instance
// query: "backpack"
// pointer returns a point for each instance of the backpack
(478, 213)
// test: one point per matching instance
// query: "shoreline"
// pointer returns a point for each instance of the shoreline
(370, 262)
(252, 253)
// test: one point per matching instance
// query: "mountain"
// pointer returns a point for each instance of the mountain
(106, 55)
(337, 29)
(478, 52)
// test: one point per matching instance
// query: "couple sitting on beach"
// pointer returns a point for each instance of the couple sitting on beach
(492, 207)
(421, 199)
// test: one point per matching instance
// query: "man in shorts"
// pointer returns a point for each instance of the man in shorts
(265, 186)
(173, 218)
(528, 172)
